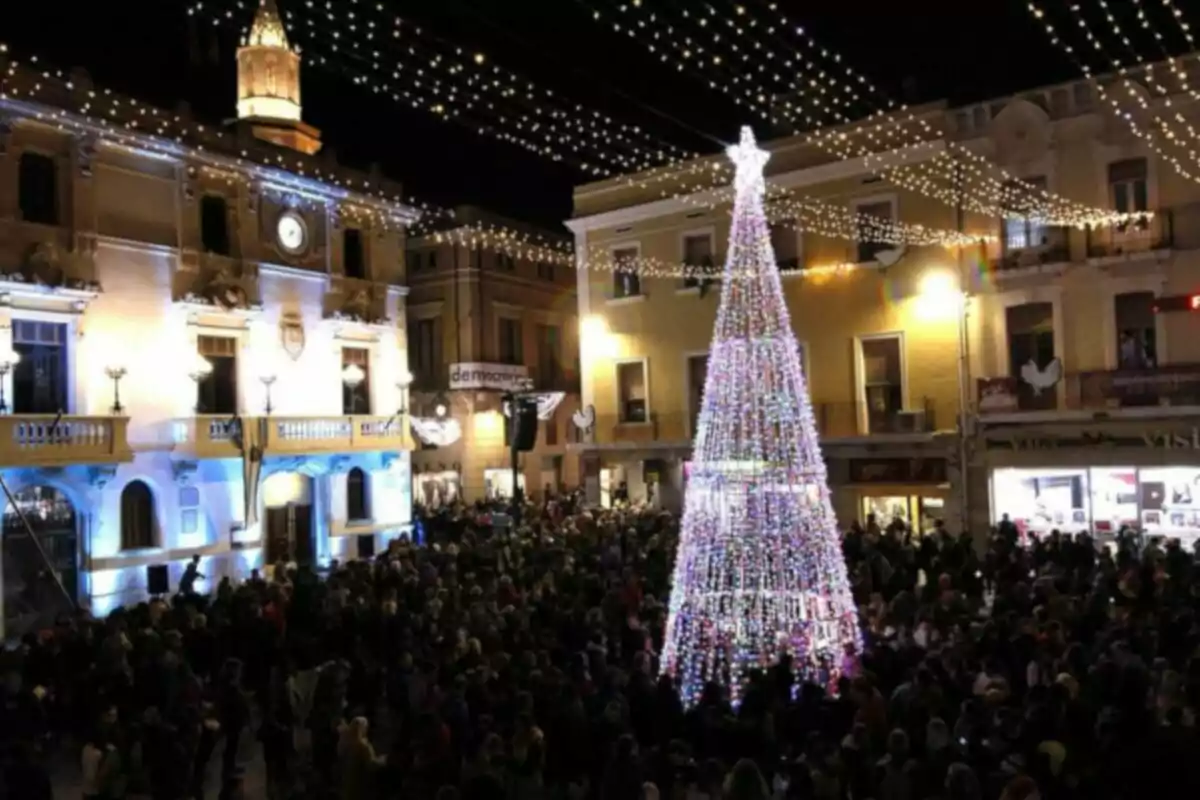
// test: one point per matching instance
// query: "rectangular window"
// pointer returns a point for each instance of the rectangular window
(1031, 357)
(217, 393)
(510, 341)
(423, 350)
(631, 391)
(785, 241)
(356, 380)
(1127, 186)
(552, 429)
(868, 235)
(549, 355)
(697, 258)
(214, 225)
(37, 188)
(1137, 346)
(505, 262)
(1024, 233)
(697, 373)
(545, 271)
(883, 382)
(626, 281)
(353, 261)
(39, 379)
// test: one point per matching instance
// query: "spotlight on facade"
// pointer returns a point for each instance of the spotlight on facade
(439, 410)
(939, 296)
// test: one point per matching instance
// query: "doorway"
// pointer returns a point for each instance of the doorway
(366, 546)
(289, 534)
(32, 597)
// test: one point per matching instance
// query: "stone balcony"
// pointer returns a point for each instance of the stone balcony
(207, 436)
(51, 440)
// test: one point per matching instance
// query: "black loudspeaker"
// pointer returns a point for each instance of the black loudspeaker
(158, 580)
(523, 424)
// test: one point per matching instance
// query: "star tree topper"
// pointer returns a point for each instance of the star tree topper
(748, 161)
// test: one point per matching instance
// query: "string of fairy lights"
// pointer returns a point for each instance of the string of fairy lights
(818, 217)
(1132, 90)
(948, 176)
(1166, 140)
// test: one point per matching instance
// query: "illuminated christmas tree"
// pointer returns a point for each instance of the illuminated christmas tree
(759, 572)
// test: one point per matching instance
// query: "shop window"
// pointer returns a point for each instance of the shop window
(353, 260)
(37, 188)
(509, 331)
(626, 280)
(697, 373)
(356, 496)
(883, 382)
(868, 235)
(137, 516)
(1031, 356)
(214, 225)
(356, 396)
(1018, 233)
(217, 392)
(1137, 346)
(39, 379)
(631, 391)
(697, 258)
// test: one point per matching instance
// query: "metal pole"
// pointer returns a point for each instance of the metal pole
(964, 389)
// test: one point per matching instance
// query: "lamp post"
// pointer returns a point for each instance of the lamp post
(352, 377)
(268, 379)
(115, 373)
(402, 383)
(201, 369)
(8, 360)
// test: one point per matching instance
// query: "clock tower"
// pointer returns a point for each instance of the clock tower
(269, 84)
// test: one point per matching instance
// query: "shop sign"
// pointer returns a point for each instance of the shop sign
(1176, 384)
(494, 377)
(898, 470)
(1152, 440)
(997, 395)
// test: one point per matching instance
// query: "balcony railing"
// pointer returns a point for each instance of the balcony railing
(833, 421)
(223, 436)
(1155, 233)
(1094, 390)
(1054, 247)
(51, 440)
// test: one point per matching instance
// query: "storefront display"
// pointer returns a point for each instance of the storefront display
(921, 513)
(1161, 501)
(498, 483)
(436, 489)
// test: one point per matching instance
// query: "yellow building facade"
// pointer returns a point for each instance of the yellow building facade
(480, 322)
(899, 342)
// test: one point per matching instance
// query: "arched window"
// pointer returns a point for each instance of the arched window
(137, 516)
(356, 495)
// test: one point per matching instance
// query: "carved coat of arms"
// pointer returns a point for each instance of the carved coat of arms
(291, 335)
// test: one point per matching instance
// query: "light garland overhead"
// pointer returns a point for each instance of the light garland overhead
(819, 217)
(947, 176)
(1131, 90)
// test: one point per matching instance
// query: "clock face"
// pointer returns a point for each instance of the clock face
(290, 232)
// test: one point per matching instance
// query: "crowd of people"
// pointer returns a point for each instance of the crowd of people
(505, 663)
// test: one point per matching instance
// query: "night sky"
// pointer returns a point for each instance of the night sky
(918, 50)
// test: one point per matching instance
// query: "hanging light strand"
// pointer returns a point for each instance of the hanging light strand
(956, 175)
